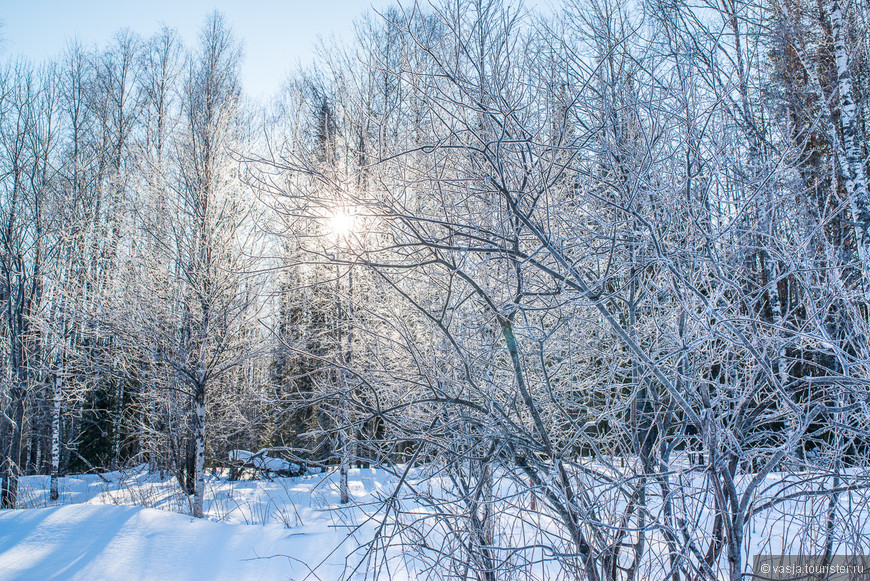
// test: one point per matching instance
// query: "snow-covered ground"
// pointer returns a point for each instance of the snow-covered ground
(86, 541)
(134, 524)
(287, 528)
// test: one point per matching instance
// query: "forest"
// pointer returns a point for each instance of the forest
(591, 283)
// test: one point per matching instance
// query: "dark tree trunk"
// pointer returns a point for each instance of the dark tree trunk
(12, 461)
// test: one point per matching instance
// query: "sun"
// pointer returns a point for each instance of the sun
(341, 223)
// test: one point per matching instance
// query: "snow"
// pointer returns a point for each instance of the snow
(255, 530)
(134, 524)
(126, 542)
(240, 455)
(262, 461)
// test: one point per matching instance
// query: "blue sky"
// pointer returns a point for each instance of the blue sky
(277, 35)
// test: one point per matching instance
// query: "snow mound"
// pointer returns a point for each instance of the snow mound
(91, 542)
(262, 461)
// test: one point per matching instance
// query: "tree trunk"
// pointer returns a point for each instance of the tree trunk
(116, 431)
(199, 450)
(55, 437)
(12, 466)
(343, 470)
(852, 161)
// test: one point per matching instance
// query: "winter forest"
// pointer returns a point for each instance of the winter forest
(585, 292)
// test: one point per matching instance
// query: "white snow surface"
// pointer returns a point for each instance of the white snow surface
(126, 542)
(286, 529)
(134, 524)
(261, 460)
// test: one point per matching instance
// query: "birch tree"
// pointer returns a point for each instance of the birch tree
(211, 208)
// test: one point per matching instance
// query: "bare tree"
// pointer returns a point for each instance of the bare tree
(211, 212)
(23, 238)
(626, 199)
